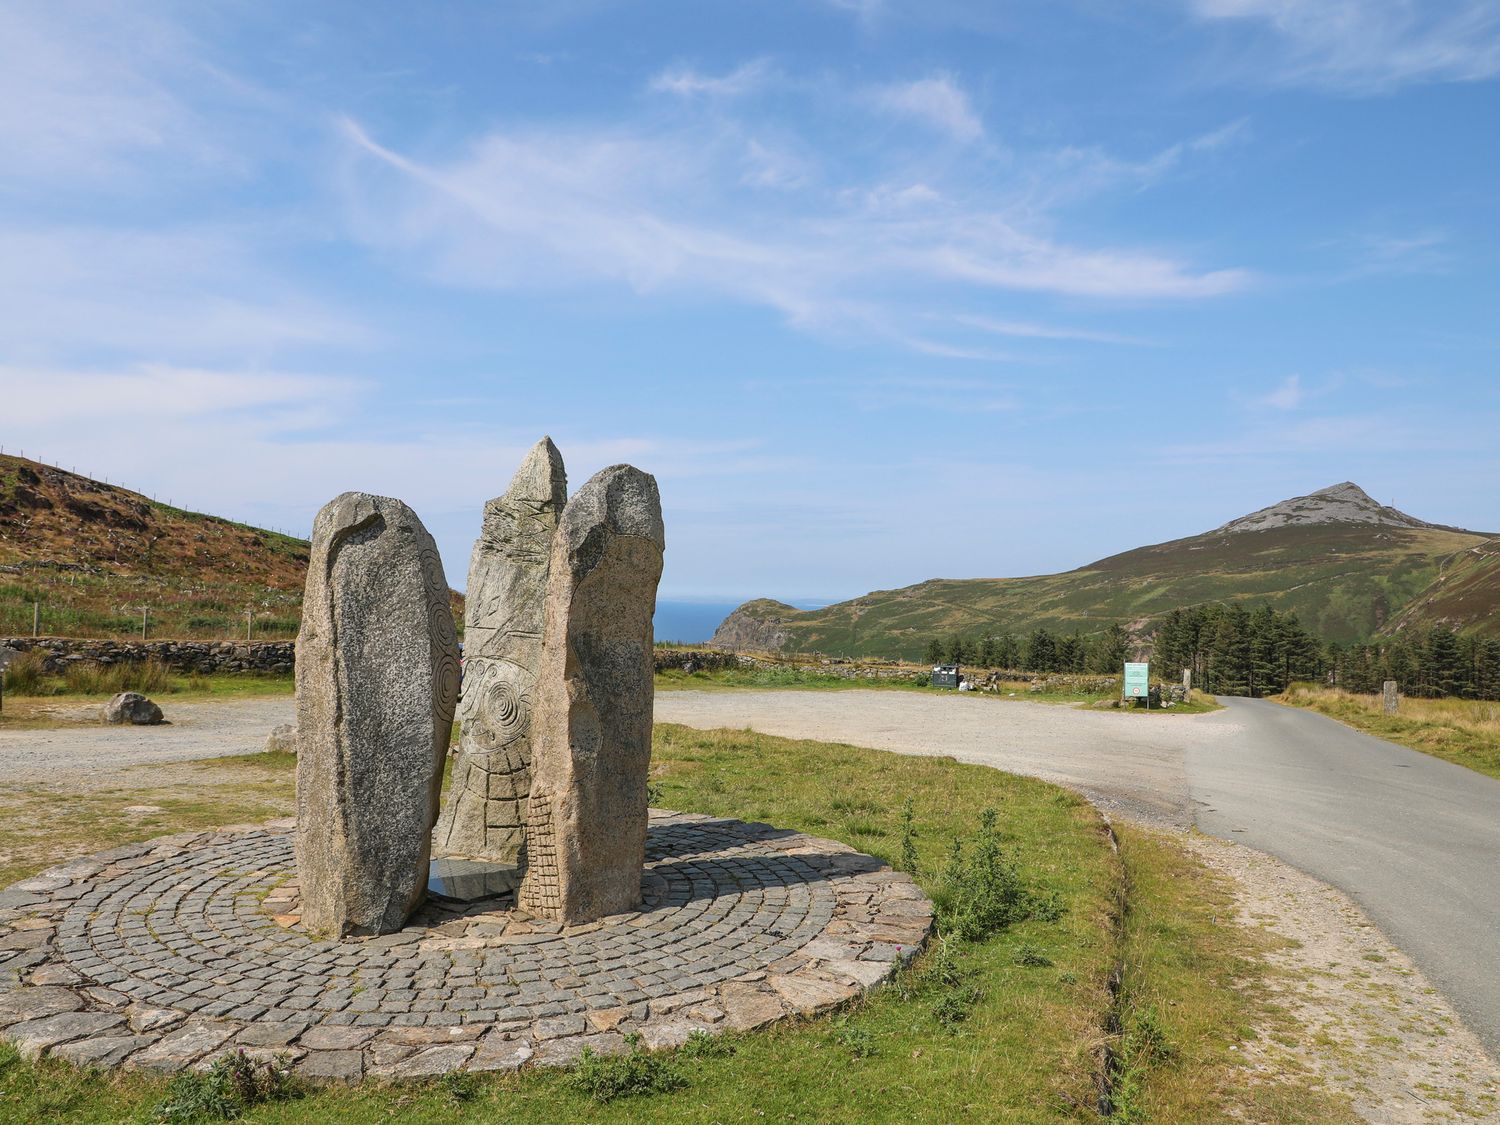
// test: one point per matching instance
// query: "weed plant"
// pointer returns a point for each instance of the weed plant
(234, 1085)
(634, 1074)
(981, 892)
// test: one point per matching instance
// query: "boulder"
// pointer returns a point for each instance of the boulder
(377, 684)
(485, 814)
(134, 708)
(586, 817)
(282, 739)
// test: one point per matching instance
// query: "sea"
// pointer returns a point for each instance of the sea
(693, 622)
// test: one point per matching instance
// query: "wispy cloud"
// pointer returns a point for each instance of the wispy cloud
(192, 291)
(1027, 330)
(1287, 396)
(88, 91)
(936, 102)
(668, 213)
(685, 82)
(1369, 46)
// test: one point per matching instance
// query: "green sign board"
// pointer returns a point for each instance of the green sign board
(1137, 681)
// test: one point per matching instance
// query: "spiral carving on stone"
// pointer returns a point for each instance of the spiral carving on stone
(509, 711)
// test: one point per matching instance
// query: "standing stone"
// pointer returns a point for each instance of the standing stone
(1390, 697)
(1187, 682)
(586, 819)
(486, 812)
(377, 681)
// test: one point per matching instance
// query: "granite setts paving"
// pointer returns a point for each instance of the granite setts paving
(169, 953)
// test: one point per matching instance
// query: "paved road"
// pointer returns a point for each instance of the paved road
(1414, 840)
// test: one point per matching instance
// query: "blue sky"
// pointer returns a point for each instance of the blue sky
(880, 291)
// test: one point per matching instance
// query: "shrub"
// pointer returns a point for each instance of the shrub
(981, 894)
(908, 838)
(26, 674)
(632, 1074)
(946, 982)
(88, 677)
(234, 1084)
(702, 1045)
(1030, 957)
(856, 1040)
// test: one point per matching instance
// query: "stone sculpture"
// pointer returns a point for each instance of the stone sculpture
(377, 682)
(586, 818)
(485, 814)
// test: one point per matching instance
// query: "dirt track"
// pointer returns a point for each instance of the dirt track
(194, 730)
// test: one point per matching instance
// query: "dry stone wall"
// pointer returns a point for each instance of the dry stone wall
(206, 657)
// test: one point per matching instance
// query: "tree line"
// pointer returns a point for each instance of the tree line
(1039, 651)
(1234, 650)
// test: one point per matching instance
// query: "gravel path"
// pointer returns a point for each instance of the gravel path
(194, 730)
(1128, 764)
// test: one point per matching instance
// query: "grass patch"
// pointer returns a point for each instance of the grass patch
(1191, 1001)
(1463, 731)
(1004, 1027)
(88, 679)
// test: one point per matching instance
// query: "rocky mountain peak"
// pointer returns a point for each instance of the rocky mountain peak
(1345, 502)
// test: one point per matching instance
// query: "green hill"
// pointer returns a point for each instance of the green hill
(1349, 567)
(93, 554)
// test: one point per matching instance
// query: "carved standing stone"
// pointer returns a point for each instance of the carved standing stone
(377, 681)
(1390, 697)
(485, 816)
(586, 819)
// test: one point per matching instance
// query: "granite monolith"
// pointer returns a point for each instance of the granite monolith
(485, 814)
(377, 684)
(586, 817)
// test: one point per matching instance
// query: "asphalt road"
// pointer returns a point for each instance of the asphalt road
(1414, 840)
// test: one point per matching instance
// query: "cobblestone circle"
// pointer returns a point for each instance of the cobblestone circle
(170, 953)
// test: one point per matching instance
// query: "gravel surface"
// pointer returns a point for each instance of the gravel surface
(1128, 764)
(193, 730)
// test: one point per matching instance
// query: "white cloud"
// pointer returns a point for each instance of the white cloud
(1368, 46)
(193, 291)
(669, 213)
(686, 82)
(45, 397)
(936, 102)
(88, 91)
(1288, 396)
(1031, 331)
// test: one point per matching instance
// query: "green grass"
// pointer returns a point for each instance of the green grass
(1192, 995)
(1463, 731)
(1001, 1029)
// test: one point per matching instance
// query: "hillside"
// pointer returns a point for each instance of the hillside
(1348, 566)
(93, 554)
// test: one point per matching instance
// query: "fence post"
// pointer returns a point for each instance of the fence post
(1391, 698)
